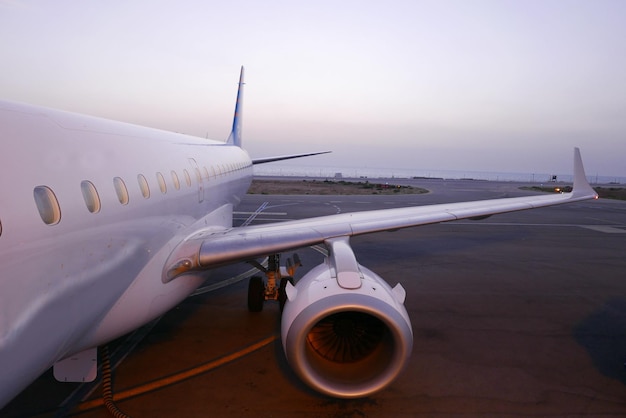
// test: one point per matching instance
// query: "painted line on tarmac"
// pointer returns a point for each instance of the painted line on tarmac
(228, 282)
(607, 229)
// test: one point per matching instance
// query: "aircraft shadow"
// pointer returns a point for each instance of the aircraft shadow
(603, 334)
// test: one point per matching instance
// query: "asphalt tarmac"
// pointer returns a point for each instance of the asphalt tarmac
(521, 314)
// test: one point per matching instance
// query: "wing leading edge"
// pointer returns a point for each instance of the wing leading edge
(208, 249)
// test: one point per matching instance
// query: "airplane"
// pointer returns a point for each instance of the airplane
(105, 226)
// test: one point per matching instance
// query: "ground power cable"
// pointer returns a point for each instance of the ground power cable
(107, 385)
(180, 376)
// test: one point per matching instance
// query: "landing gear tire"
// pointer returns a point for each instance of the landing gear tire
(256, 294)
(282, 293)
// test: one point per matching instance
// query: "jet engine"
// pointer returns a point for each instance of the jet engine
(345, 331)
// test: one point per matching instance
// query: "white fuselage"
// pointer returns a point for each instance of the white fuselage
(76, 283)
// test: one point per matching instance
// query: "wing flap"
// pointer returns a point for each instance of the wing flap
(207, 249)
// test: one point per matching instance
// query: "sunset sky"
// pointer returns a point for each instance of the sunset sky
(469, 85)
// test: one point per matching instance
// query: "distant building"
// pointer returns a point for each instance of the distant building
(338, 175)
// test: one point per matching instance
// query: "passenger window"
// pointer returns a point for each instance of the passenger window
(47, 204)
(162, 184)
(187, 177)
(175, 180)
(121, 190)
(90, 195)
(0, 228)
(143, 185)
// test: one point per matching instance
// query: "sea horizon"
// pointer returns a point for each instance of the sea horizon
(336, 172)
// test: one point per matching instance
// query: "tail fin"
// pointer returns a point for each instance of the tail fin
(235, 134)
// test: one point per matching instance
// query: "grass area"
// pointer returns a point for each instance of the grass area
(329, 187)
(379, 187)
(617, 193)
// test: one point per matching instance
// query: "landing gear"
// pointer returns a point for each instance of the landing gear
(256, 294)
(260, 291)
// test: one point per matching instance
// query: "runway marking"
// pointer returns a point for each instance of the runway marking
(607, 229)
(179, 377)
(258, 219)
(254, 214)
(616, 224)
(264, 213)
(227, 282)
(334, 206)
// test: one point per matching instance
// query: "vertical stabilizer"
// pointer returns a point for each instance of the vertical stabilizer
(235, 134)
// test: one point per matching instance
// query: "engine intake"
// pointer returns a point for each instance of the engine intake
(346, 343)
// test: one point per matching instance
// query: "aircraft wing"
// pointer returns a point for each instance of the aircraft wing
(209, 248)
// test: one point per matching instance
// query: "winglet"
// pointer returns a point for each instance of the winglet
(581, 187)
(235, 134)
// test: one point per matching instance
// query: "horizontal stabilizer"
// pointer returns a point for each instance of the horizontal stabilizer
(285, 157)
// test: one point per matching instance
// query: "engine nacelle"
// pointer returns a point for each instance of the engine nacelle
(346, 343)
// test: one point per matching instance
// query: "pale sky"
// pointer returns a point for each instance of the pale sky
(468, 85)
